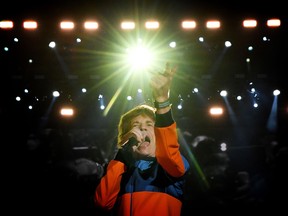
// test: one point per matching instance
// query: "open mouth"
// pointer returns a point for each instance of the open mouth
(147, 139)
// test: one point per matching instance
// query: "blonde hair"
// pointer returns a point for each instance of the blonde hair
(125, 125)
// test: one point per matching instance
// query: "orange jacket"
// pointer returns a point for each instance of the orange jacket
(154, 187)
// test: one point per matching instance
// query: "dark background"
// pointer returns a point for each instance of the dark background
(52, 163)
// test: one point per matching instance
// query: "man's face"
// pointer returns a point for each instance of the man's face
(144, 128)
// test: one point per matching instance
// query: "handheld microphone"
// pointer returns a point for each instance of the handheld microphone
(130, 142)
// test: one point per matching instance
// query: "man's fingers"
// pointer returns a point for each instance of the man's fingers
(169, 72)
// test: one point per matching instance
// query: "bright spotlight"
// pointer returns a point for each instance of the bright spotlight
(223, 93)
(66, 111)
(276, 92)
(56, 93)
(172, 44)
(223, 146)
(228, 44)
(195, 90)
(139, 57)
(216, 111)
(52, 44)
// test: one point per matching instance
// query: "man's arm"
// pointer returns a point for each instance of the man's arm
(167, 150)
(107, 190)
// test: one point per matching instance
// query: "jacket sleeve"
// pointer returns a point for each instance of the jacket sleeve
(109, 186)
(167, 150)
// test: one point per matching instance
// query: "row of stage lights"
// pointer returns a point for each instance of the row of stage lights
(130, 25)
(214, 110)
(69, 111)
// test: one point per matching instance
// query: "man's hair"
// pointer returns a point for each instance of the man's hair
(125, 125)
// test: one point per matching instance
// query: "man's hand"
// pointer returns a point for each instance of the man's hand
(125, 154)
(161, 83)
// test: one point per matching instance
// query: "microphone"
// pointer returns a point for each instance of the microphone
(130, 142)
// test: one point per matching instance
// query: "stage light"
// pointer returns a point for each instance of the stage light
(273, 23)
(216, 111)
(276, 92)
(223, 146)
(6, 24)
(250, 48)
(253, 90)
(213, 24)
(139, 57)
(91, 25)
(128, 25)
(249, 23)
(152, 25)
(181, 101)
(101, 101)
(223, 93)
(189, 24)
(228, 44)
(201, 39)
(66, 112)
(30, 24)
(56, 93)
(67, 25)
(172, 44)
(52, 44)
